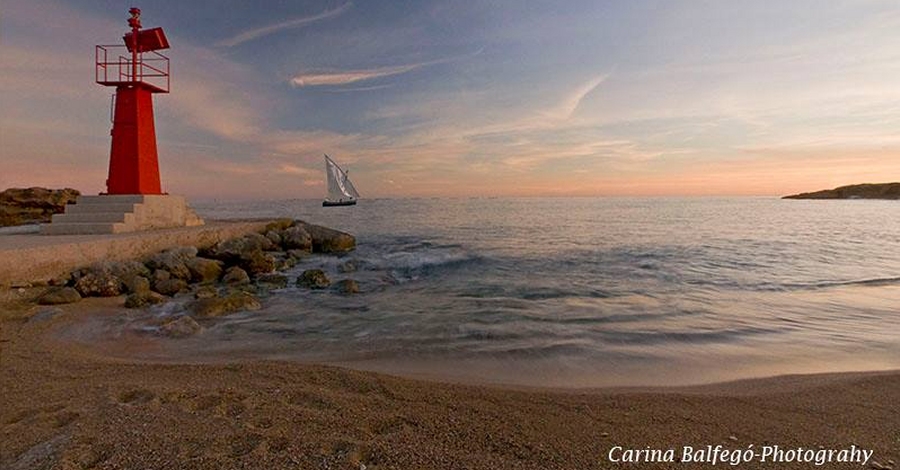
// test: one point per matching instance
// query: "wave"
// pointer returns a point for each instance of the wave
(413, 261)
(874, 282)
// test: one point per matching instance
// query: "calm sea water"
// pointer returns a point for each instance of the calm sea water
(581, 292)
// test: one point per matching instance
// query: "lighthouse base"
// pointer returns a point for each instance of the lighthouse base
(122, 213)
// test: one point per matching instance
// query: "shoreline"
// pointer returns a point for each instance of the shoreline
(67, 405)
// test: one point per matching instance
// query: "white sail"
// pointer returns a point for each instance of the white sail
(339, 186)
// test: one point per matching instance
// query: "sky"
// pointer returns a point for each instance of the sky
(468, 98)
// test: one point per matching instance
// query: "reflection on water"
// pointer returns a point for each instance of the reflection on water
(576, 292)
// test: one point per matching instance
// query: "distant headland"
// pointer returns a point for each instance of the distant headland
(854, 191)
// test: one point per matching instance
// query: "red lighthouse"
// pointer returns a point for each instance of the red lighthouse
(133, 200)
(137, 71)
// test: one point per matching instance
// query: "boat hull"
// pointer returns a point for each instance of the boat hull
(338, 203)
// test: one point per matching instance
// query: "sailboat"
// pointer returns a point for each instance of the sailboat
(340, 190)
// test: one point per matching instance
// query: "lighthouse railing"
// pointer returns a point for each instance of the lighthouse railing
(113, 67)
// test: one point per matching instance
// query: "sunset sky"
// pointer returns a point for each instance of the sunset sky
(482, 98)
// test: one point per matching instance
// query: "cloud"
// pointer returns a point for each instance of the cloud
(294, 23)
(296, 170)
(338, 78)
(353, 76)
(568, 107)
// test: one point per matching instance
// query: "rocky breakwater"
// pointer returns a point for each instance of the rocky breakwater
(19, 206)
(230, 276)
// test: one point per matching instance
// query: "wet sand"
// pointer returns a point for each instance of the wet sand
(69, 407)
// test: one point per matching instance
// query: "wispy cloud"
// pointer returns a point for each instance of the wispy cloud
(571, 103)
(352, 76)
(338, 78)
(274, 28)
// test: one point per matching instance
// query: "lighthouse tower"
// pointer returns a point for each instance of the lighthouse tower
(134, 199)
(133, 163)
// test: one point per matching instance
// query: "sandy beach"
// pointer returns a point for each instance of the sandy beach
(66, 406)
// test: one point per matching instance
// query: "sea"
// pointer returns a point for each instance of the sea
(578, 292)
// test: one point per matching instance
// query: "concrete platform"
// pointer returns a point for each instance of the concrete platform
(28, 258)
(122, 213)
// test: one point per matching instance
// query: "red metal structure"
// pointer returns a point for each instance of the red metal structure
(137, 71)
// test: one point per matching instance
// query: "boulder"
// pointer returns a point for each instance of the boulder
(20, 206)
(143, 299)
(279, 225)
(274, 237)
(98, 284)
(273, 281)
(296, 238)
(124, 271)
(59, 295)
(233, 250)
(283, 261)
(137, 285)
(173, 260)
(313, 279)
(258, 263)
(180, 327)
(346, 286)
(218, 306)
(349, 266)
(326, 240)
(204, 269)
(45, 314)
(170, 287)
(235, 276)
(261, 241)
(298, 254)
(159, 275)
(206, 292)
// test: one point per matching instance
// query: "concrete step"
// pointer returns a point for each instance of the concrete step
(83, 228)
(87, 217)
(118, 198)
(120, 207)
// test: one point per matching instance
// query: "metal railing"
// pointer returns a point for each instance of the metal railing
(113, 66)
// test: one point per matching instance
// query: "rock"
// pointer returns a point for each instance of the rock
(273, 281)
(296, 238)
(346, 286)
(279, 225)
(261, 241)
(326, 240)
(233, 250)
(298, 254)
(143, 299)
(59, 295)
(45, 313)
(170, 287)
(313, 279)
(98, 284)
(137, 285)
(60, 281)
(349, 266)
(274, 237)
(180, 327)
(159, 275)
(235, 275)
(258, 263)
(206, 292)
(127, 270)
(283, 261)
(19, 206)
(204, 269)
(218, 306)
(173, 260)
